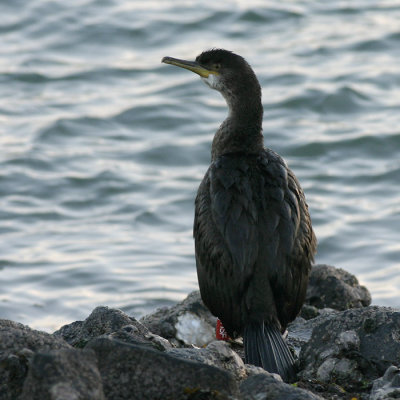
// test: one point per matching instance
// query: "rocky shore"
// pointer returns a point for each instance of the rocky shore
(346, 349)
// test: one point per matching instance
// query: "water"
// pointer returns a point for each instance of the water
(103, 147)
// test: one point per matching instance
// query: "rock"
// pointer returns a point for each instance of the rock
(300, 330)
(136, 372)
(309, 312)
(71, 333)
(131, 334)
(117, 324)
(353, 347)
(18, 343)
(218, 354)
(66, 374)
(341, 353)
(335, 288)
(252, 370)
(189, 322)
(387, 387)
(266, 387)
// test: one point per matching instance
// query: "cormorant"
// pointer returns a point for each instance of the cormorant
(254, 241)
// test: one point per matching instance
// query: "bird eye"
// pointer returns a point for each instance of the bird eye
(217, 66)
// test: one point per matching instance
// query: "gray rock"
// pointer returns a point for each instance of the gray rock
(266, 387)
(138, 334)
(136, 372)
(189, 322)
(71, 333)
(388, 386)
(252, 370)
(18, 343)
(66, 374)
(218, 354)
(342, 353)
(300, 330)
(335, 288)
(353, 347)
(309, 312)
(113, 322)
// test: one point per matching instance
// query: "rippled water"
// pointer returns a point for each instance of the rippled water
(103, 147)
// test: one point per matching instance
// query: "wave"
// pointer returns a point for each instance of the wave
(344, 100)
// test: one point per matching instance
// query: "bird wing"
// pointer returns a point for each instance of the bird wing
(233, 210)
(290, 247)
(225, 233)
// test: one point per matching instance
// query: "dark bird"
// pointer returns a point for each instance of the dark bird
(253, 236)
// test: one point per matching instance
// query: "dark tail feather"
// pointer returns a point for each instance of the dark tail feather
(265, 347)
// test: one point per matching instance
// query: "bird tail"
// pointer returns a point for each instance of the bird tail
(264, 347)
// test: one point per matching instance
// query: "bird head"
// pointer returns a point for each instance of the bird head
(222, 70)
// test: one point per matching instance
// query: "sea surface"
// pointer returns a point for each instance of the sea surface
(102, 147)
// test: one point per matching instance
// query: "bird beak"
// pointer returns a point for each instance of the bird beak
(190, 65)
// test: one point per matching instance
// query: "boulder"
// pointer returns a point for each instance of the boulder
(172, 353)
(187, 323)
(331, 287)
(353, 347)
(136, 372)
(388, 386)
(18, 343)
(218, 354)
(267, 387)
(113, 322)
(300, 330)
(65, 374)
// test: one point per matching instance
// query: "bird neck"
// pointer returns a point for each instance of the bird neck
(241, 132)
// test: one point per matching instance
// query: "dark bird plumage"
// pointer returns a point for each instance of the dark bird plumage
(253, 236)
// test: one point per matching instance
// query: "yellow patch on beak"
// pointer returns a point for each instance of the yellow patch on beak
(190, 65)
